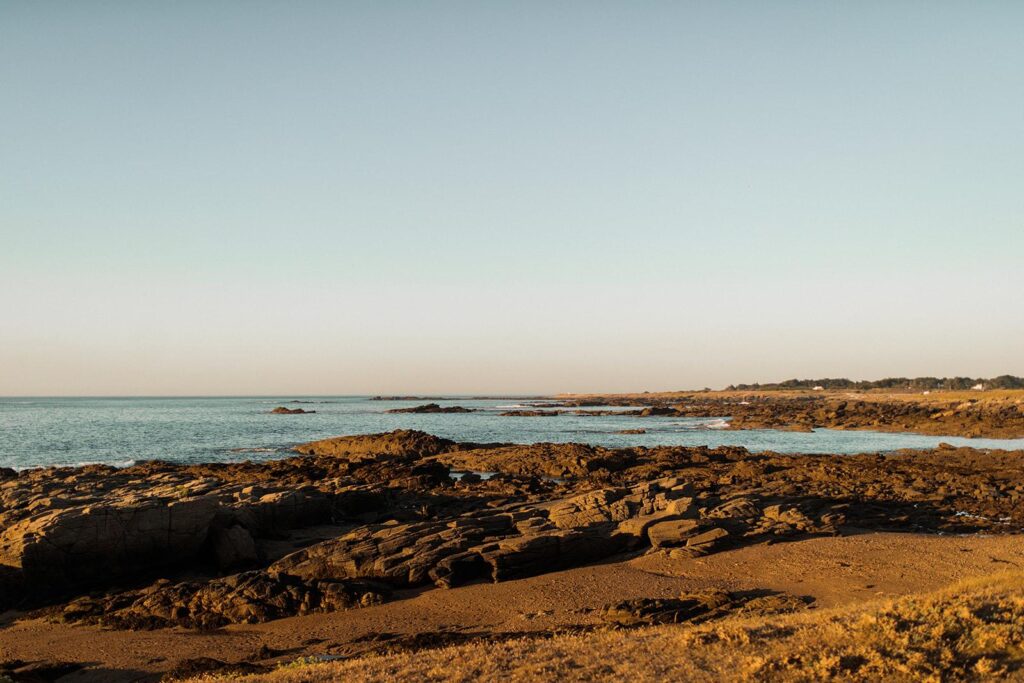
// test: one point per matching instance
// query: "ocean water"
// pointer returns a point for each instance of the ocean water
(38, 432)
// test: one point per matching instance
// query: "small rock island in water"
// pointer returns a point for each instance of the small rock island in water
(432, 408)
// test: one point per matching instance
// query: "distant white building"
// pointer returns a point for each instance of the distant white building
(819, 388)
(978, 387)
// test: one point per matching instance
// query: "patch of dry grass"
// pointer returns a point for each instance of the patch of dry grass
(969, 631)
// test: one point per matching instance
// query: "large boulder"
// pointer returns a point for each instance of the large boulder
(233, 547)
(96, 531)
(672, 532)
(62, 548)
(401, 443)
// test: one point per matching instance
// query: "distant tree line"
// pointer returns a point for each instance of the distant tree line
(916, 383)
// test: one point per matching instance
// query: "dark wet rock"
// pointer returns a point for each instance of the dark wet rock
(432, 408)
(281, 410)
(656, 412)
(399, 398)
(531, 413)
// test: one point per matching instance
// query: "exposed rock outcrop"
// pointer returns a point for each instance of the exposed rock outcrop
(402, 443)
(432, 408)
(521, 541)
(360, 516)
(557, 460)
(247, 598)
(56, 544)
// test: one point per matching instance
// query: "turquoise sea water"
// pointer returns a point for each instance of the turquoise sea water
(66, 431)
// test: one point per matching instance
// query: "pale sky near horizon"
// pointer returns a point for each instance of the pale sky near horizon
(474, 197)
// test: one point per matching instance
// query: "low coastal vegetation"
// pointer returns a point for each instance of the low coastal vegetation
(971, 631)
(993, 414)
(889, 383)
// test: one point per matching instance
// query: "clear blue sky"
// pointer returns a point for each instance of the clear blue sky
(252, 197)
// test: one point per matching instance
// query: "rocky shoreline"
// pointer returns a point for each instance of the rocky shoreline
(977, 414)
(355, 521)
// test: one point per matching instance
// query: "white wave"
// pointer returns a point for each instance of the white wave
(483, 475)
(530, 406)
(712, 424)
